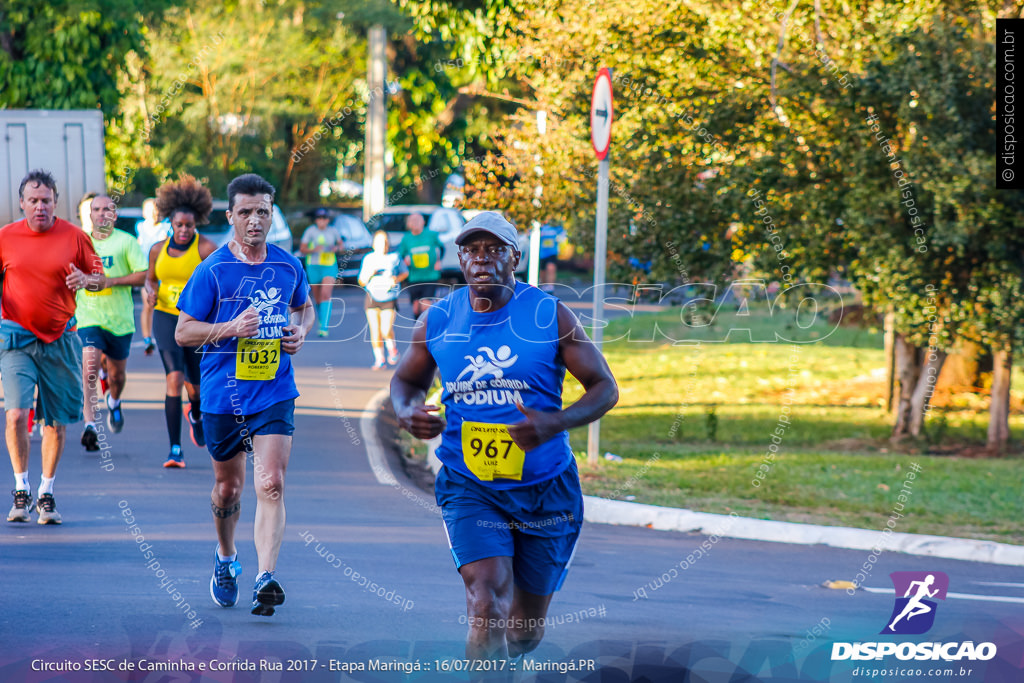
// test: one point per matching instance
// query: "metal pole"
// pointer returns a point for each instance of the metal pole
(600, 253)
(533, 264)
(533, 267)
(376, 123)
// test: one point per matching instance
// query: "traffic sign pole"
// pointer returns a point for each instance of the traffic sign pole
(600, 252)
(601, 115)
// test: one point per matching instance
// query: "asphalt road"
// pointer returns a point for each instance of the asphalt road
(84, 596)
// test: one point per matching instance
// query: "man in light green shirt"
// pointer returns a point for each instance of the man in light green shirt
(106, 318)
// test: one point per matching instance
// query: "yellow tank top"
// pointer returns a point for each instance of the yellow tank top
(173, 272)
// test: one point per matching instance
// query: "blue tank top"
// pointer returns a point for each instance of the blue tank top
(488, 362)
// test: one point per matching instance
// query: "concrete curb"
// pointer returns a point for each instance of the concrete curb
(604, 511)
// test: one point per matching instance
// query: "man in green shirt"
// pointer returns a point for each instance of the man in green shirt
(422, 251)
(106, 318)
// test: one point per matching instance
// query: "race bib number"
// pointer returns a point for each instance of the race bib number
(490, 453)
(103, 292)
(421, 260)
(257, 358)
(173, 293)
(326, 258)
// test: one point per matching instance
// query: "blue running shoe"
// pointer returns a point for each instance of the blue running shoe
(223, 587)
(266, 594)
(115, 418)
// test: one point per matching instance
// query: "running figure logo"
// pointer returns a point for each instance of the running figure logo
(265, 300)
(495, 364)
(914, 613)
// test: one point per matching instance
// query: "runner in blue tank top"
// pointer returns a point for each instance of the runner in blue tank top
(509, 490)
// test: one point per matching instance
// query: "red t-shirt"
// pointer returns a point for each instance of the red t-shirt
(34, 265)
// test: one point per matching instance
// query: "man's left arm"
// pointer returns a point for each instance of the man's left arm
(587, 364)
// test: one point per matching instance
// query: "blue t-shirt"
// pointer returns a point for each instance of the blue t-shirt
(490, 361)
(249, 375)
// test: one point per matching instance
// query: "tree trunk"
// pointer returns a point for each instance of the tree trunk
(908, 367)
(999, 407)
(917, 371)
(924, 390)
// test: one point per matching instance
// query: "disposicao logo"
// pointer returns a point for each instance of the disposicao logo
(914, 614)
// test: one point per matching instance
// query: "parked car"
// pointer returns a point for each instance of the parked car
(127, 217)
(358, 243)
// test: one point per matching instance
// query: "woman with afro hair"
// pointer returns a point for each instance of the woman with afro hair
(186, 204)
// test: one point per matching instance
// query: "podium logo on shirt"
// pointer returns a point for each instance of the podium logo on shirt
(471, 388)
(264, 302)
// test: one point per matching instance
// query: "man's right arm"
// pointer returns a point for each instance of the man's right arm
(410, 384)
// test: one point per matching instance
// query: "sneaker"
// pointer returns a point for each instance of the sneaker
(90, 439)
(266, 594)
(223, 587)
(195, 430)
(175, 458)
(21, 508)
(47, 509)
(379, 365)
(115, 418)
(322, 333)
(393, 358)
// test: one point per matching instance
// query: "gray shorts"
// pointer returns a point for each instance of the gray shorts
(55, 369)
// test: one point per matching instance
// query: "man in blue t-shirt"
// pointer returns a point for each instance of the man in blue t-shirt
(509, 491)
(248, 306)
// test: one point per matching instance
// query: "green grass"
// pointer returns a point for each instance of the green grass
(834, 464)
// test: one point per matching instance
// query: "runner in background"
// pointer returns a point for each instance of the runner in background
(148, 232)
(321, 244)
(186, 204)
(106, 318)
(380, 275)
(422, 251)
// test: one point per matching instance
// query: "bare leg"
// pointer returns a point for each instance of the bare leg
(488, 603)
(91, 361)
(526, 622)
(373, 319)
(53, 447)
(229, 478)
(17, 438)
(116, 377)
(270, 461)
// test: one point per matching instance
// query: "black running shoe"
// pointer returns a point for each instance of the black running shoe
(90, 439)
(266, 594)
(195, 430)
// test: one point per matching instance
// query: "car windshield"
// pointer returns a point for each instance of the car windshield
(350, 228)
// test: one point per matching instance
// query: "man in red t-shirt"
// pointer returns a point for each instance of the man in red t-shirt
(44, 260)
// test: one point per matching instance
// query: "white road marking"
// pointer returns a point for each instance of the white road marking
(962, 596)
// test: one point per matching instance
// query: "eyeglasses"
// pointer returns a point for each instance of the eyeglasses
(478, 250)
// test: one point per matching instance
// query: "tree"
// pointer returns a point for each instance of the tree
(781, 137)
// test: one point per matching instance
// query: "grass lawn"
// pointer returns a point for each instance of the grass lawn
(696, 416)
